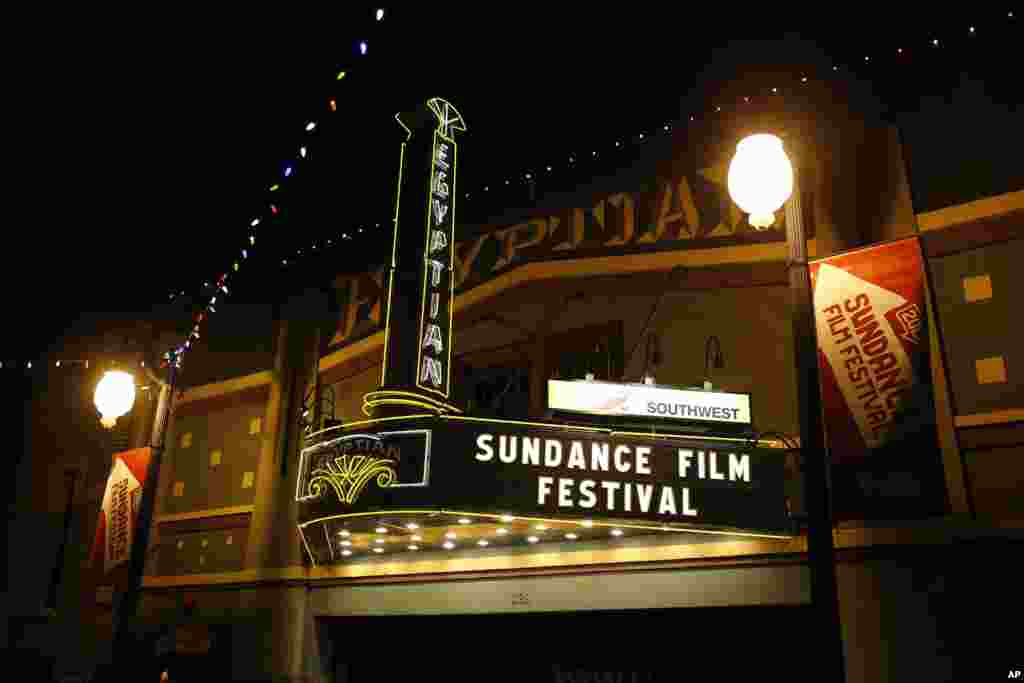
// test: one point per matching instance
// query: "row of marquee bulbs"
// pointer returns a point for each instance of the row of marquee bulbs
(451, 536)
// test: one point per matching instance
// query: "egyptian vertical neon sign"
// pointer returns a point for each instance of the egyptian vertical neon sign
(421, 281)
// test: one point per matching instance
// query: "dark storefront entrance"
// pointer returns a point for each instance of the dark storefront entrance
(719, 644)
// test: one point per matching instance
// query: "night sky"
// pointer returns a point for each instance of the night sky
(144, 144)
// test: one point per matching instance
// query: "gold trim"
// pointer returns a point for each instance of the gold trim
(997, 417)
(206, 514)
(972, 211)
(230, 386)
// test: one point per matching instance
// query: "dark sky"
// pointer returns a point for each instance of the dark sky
(143, 144)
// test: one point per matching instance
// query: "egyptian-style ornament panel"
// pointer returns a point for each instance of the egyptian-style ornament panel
(449, 482)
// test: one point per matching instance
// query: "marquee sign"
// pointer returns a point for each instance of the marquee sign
(117, 520)
(540, 471)
(648, 401)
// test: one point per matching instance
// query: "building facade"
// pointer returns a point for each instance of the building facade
(660, 277)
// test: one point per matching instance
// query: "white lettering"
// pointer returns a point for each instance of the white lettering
(483, 442)
(684, 462)
(544, 488)
(645, 492)
(431, 371)
(531, 451)
(668, 501)
(440, 211)
(715, 473)
(564, 492)
(599, 457)
(436, 267)
(509, 456)
(552, 453)
(739, 467)
(621, 465)
(576, 459)
(433, 338)
(687, 510)
(643, 464)
(610, 488)
(587, 491)
(437, 240)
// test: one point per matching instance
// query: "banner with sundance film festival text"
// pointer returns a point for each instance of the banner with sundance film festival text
(875, 372)
(117, 522)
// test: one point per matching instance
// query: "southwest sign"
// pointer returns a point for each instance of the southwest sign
(648, 401)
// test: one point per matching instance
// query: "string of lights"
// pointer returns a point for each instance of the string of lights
(570, 161)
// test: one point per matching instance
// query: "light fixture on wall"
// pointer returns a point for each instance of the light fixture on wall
(712, 359)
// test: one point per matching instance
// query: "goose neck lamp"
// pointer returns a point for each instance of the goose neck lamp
(114, 398)
(761, 181)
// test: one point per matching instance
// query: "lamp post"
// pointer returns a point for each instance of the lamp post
(761, 180)
(115, 395)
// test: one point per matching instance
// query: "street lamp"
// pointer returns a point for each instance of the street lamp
(761, 181)
(114, 397)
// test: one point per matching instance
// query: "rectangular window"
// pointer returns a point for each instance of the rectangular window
(247, 480)
(215, 457)
(255, 425)
(179, 489)
(186, 440)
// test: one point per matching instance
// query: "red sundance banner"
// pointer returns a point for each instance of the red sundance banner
(120, 508)
(873, 357)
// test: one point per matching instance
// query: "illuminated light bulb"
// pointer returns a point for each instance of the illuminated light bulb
(302, 152)
(287, 171)
(252, 240)
(346, 553)
(972, 29)
(803, 79)
(235, 266)
(334, 104)
(464, 520)
(760, 178)
(594, 153)
(450, 534)
(666, 127)
(254, 222)
(381, 530)
(528, 176)
(616, 532)
(380, 14)
(310, 126)
(275, 187)
(362, 47)
(413, 547)
(835, 68)
(718, 109)
(540, 527)
(506, 182)
(482, 543)
(378, 550)
(691, 117)
(58, 364)
(571, 536)
(245, 253)
(617, 143)
(346, 543)
(502, 531)
(284, 262)
(344, 532)
(641, 136)
(417, 537)
(29, 365)
(114, 397)
(587, 523)
(379, 541)
(899, 51)
(507, 518)
(341, 75)
(549, 168)
(411, 526)
(935, 42)
(448, 545)
(485, 188)
(532, 539)
(866, 58)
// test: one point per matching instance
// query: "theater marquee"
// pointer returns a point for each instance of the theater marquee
(459, 480)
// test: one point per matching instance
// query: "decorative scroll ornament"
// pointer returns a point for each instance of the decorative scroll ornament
(347, 475)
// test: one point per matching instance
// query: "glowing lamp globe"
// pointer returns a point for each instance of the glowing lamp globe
(114, 397)
(760, 178)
